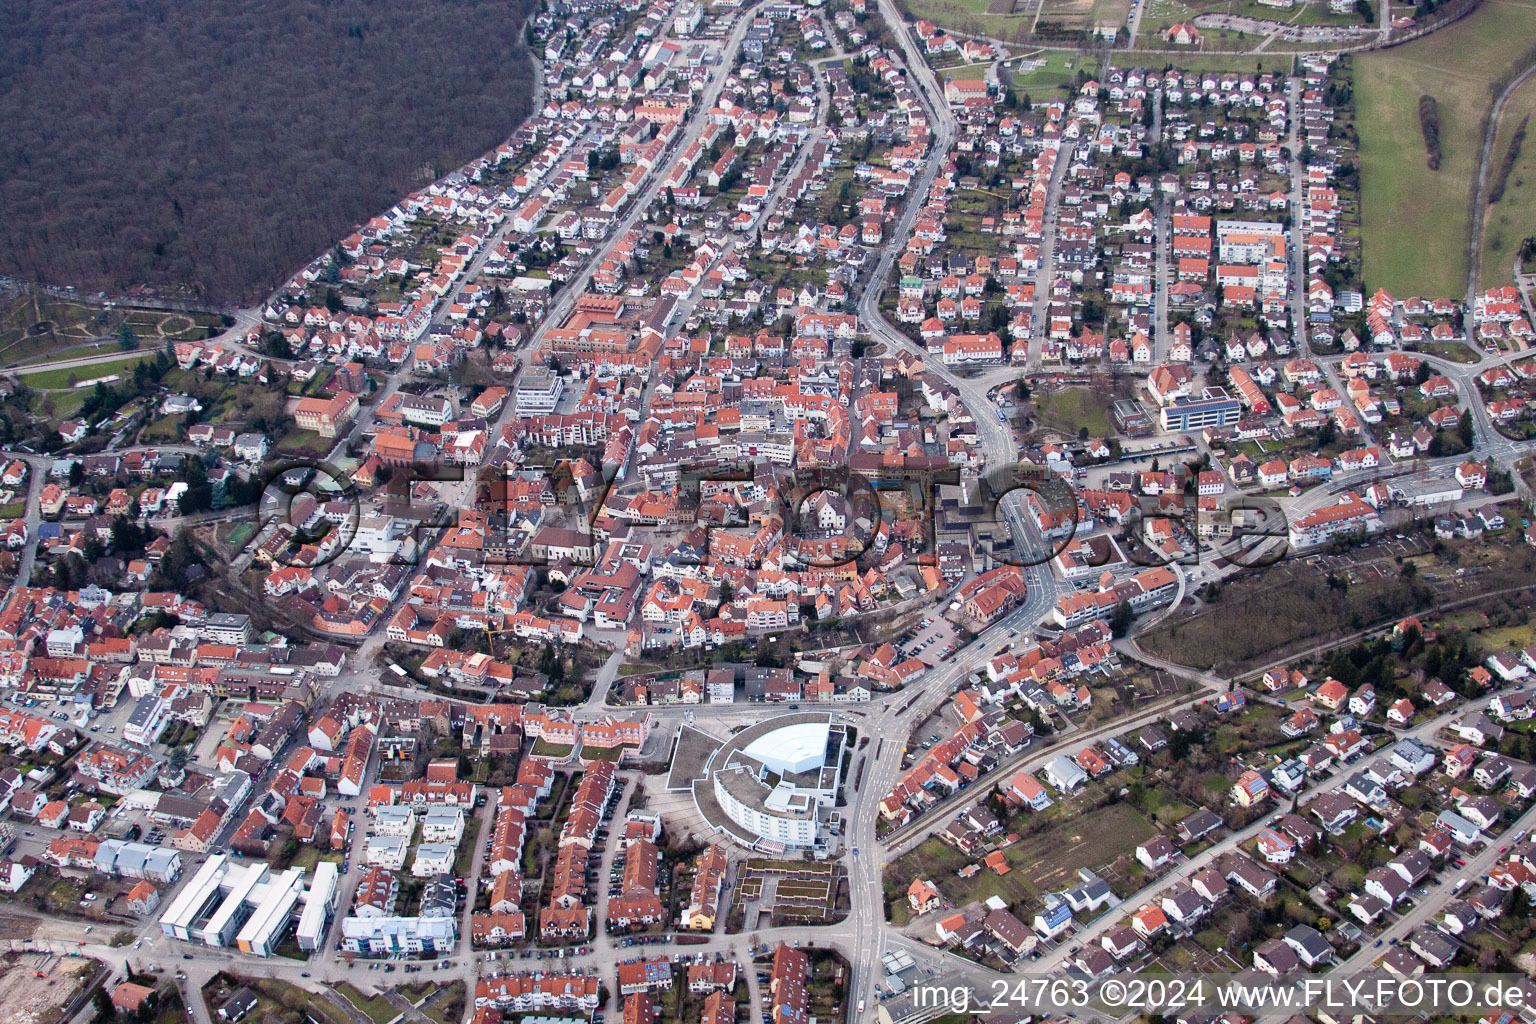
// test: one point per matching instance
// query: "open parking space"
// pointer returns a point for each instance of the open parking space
(932, 641)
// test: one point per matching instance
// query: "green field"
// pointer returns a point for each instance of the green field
(58, 379)
(57, 406)
(1085, 14)
(1513, 218)
(1046, 861)
(1417, 221)
(1072, 409)
(1048, 71)
(1456, 351)
(972, 16)
(378, 1009)
(968, 72)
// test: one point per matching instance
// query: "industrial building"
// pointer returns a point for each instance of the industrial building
(318, 907)
(1130, 419)
(118, 859)
(1425, 491)
(1214, 408)
(245, 905)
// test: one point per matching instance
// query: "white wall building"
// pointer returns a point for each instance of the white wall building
(443, 825)
(433, 859)
(382, 936)
(387, 852)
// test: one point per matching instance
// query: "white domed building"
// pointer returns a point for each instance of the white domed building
(773, 787)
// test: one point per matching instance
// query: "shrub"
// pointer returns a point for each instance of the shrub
(1429, 124)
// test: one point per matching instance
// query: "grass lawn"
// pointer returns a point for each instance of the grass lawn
(1085, 14)
(1166, 807)
(274, 995)
(42, 376)
(1507, 222)
(57, 406)
(236, 535)
(165, 430)
(43, 328)
(1051, 858)
(439, 1011)
(1402, 198)
(304, 442)
(1110, 12)
(1044, 71)
(968, 16)
(99, 347)
(464, 856)
(968, 72)
(556, 751)
(307, 857)
(377, 1008)
(1502, 638)
(1072, 409)
(1043, 862)
(1456, 351)
(418, 991)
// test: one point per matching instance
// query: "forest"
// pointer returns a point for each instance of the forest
(209, 150)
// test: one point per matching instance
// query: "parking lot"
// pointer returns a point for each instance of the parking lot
(933, 640)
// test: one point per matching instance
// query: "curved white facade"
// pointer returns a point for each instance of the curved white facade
(794, 748)
(791, 830)
(776, 783)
